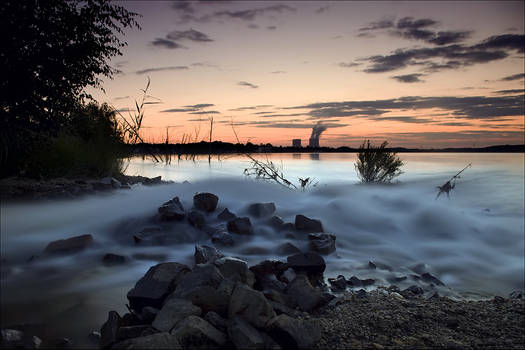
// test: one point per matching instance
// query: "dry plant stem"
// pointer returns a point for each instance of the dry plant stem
(450, 184)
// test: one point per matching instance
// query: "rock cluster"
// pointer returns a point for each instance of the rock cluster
(221, 303)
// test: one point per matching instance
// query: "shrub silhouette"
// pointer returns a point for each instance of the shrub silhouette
(376, 163)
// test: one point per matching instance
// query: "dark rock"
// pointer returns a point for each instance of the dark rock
(244, 336)
(148, 314)
(378, 265)
(111, 259)
(339, 283)
(517, 294)
(427, 277)
(196, 333)
(356, 282)
(125, 186)
(69, 245)
(323, 243)
(174, 311)
(287, 249)
(217, 321)
(306, 297)
(250, 305)
(279, 297)
(205, 201)
(276, 222)
(109, 330)
(283, 309)
(241, 226)
(411, 291)
(222, 238)
(269, 282)
(452, 322)
(420, 268)
(15, 339)
(94, 338)
(303, 223)
(196, 219)
(261, 210)
(396, 279)
(498, 300)
(287, 276)
(226, 215)
(205, 254)
(368, 281)
(154, 341)
(129, 332)
(233, 268)
(155, 285)
(172, 210)
(152, 181)
(111, 181)
(310, 263)
(291, 333)
(130, 319)
(361, 293)
(268, 267)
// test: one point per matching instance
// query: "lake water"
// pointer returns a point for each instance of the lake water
(472, 241)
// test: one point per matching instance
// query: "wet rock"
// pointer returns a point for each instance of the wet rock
(310, 263)
(276, 222)
(303, 223)
(411, 291)
(172, 210)
(287, 276)
(287, 249)
(261, 210)
(517, 294)
(109, 330)
(130, 319)
(222, 238)
(498, 300)
(152, 181)
(174, 311)
(269, 282)
(195, 332)
(226, 215)
(156, 285)
(233, 268)
(162, 340)
(339, 283)
(217, 321)
(279, 297)
(129, 332)
(205, 254)
(205, 201)
(241, 226)
(378, 265)
(356, 282)
(323, 243)
(125, 186)
(69, 245)
(14, 339)
(291, 333)
(361, 293)
(250, 305)
(244, 336)
(196, 219)
(148, 314)
(306, 296)
(94, 338)
(283, 309)
(420, 268)
(111, 259)
(111, 181)
(429, 278)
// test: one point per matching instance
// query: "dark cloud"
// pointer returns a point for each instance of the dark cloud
(383, 24)
(282, 125)
(271, 27)
(205, 64)
(250, 108)
(245, 83)
(348, 65)
(160, 69)
(200, 105)
(511, 91)
(472, 107)
(365, 35)
(455, 124)
(278, 72)
(253, 26)
(410, 23)
(513, 77)
(178, 110)
(505, 41)
(322, 9)
(165, 43)
(191, 34)
(406, 119)
(269, 115)
(408, 78)
(205, 112)
(449, 37)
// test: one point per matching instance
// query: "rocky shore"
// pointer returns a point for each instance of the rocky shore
(220, 302)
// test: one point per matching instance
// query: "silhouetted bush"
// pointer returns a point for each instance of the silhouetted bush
(376, 163)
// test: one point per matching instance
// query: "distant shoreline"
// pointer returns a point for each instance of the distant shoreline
(219, 147)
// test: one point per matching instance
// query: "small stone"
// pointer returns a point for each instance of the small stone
(172, 210)
(241, 226)
(111, 259)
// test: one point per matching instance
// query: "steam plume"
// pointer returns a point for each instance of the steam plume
(317, 130)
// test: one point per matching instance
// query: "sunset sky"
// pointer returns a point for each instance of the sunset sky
(418, 74)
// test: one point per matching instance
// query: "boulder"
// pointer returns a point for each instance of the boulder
(196, 219)
(302, 292)
(233, 268)
(109, 330)
(205, 201)
(287, 276)
(129, 332)
(154, 341)
(291, 333)
(217, 321)
(196, 333)
(148, 314)
(261, 210)
(241, 226)
(205, 254)
(250, 305)
(339, 283)
(269, 282)
(356, 282)
(226, 215)
(280, 309)
(429, 278)
(94, 338)
(15, 339)
(411, 291)
(303, 223)
(69, 245)
(323, 243)
(152, 181)
(276, 222)
(287, 248)
(111, 259)
(172, 210)
(517, 294)
(222, 238)
(156, 285)
(269, 267)
(310, 263)
(244, 336)
(174, 311)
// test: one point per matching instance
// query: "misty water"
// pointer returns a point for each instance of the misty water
(472, 241)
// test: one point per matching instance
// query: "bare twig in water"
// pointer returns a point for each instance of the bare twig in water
(450, 184)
